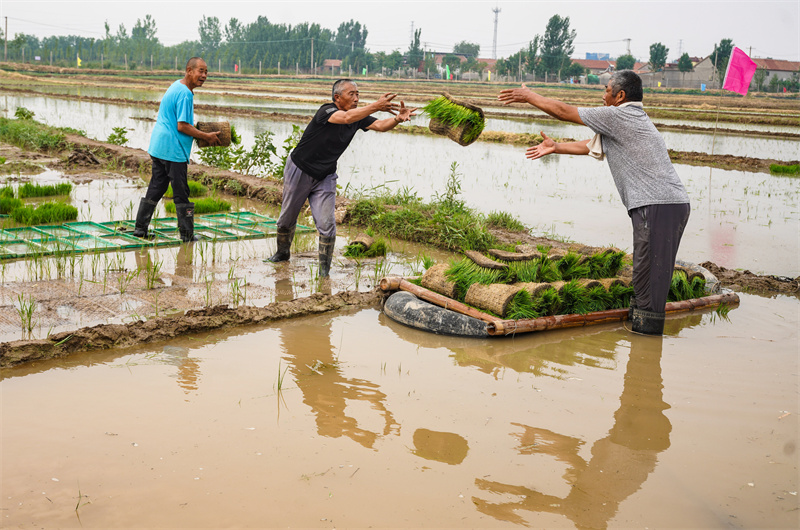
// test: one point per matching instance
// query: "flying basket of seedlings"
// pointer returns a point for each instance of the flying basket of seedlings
(459, 120)
(222, 127)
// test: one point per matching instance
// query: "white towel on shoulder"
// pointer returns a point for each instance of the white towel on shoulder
(595, 145)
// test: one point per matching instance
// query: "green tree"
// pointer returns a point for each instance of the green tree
(210, 35)
(394, 61)
(574, 70)
(453, 61)
(557, 45)
(415, 53)
(759, 77)
(658, 56)
(685, 65)
(720, 57)
(625, 62)
(143, 38)
(470, 49)
(531, 57)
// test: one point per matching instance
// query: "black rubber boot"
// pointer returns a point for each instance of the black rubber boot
(647, 322)
(284, 238)
(185, 213)
(143, 216)
(326, 246)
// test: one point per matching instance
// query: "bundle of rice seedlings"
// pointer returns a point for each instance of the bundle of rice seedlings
(698, 285)
(599, 298)
(465, 272)
(493, 298)
(458, 120)
(574, 298)
(524, 271)
(680, 288)
(204, 205)
(9, 204)
(571, 267)
(195, 189)
(522, 306)
(613, 263)
(46, 213)
(43, 190)
(7, 191)
(622, 296)
(547, 302)
(358, 250)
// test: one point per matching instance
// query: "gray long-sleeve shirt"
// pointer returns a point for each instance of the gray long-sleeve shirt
(637, 156)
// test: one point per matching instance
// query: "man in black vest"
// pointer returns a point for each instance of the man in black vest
(310, 171)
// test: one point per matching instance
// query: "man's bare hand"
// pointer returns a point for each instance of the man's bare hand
(514, 95)
(404, 114)
(546, 147)
(385, 103)
(213, 138)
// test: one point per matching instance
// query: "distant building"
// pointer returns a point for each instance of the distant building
(597, 56)
(703, 73)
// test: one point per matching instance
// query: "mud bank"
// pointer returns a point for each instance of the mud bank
(107, 336)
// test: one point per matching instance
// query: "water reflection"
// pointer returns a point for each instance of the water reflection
(620, 462)
(446, 447)
(326, 390)
(188, 373)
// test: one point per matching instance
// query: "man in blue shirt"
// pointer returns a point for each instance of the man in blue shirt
(170, 147)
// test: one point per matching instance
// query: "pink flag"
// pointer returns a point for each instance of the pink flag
(739, 73)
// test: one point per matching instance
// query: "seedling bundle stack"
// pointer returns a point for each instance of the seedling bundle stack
(457, 119)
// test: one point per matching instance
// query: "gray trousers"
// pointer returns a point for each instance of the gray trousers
(321, 194)
(657, 232)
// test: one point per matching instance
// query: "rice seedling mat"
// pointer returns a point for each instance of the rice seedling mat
(88, 236)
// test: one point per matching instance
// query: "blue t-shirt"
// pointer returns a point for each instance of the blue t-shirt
(166, 142)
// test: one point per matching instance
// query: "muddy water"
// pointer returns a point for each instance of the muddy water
(380, 425)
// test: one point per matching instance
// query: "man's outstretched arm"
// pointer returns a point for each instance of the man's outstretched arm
(555, 108)
(549, 146)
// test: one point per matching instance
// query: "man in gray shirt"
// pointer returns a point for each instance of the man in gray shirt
(648, 185)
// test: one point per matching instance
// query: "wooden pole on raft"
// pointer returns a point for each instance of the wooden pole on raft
(496, 326)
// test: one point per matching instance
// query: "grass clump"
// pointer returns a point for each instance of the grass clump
(28, 190)
(7, 191)
(29, 134)
(781, 169)
(454, 115)
(204, 205)
(47, 213)
(195, 189)
(504, 220)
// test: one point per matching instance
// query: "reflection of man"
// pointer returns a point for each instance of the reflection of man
(647, 182)
(310, 171)
(170, 147)
(325, 390)
(620, 463)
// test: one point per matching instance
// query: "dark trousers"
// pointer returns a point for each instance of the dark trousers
(657, 232)
(164, 174)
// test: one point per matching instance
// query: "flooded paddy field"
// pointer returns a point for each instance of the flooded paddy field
(734, 212)
(352, 421)
(349, 420)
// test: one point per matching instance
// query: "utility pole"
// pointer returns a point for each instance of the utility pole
(412, 32)
(5, 44)
(312, 52)
(496, 12)
(629, 45)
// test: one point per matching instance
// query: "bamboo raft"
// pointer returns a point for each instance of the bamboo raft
(500, 327)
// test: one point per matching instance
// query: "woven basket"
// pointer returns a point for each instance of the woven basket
(514, 256)
(435, 280)
(223, 127)
(483, 261)
(494, 297)
(456, 134)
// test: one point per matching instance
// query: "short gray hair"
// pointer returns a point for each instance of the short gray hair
(628, 81)
(338, 87)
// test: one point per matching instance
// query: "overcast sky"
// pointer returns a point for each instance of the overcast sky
(763, 28)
